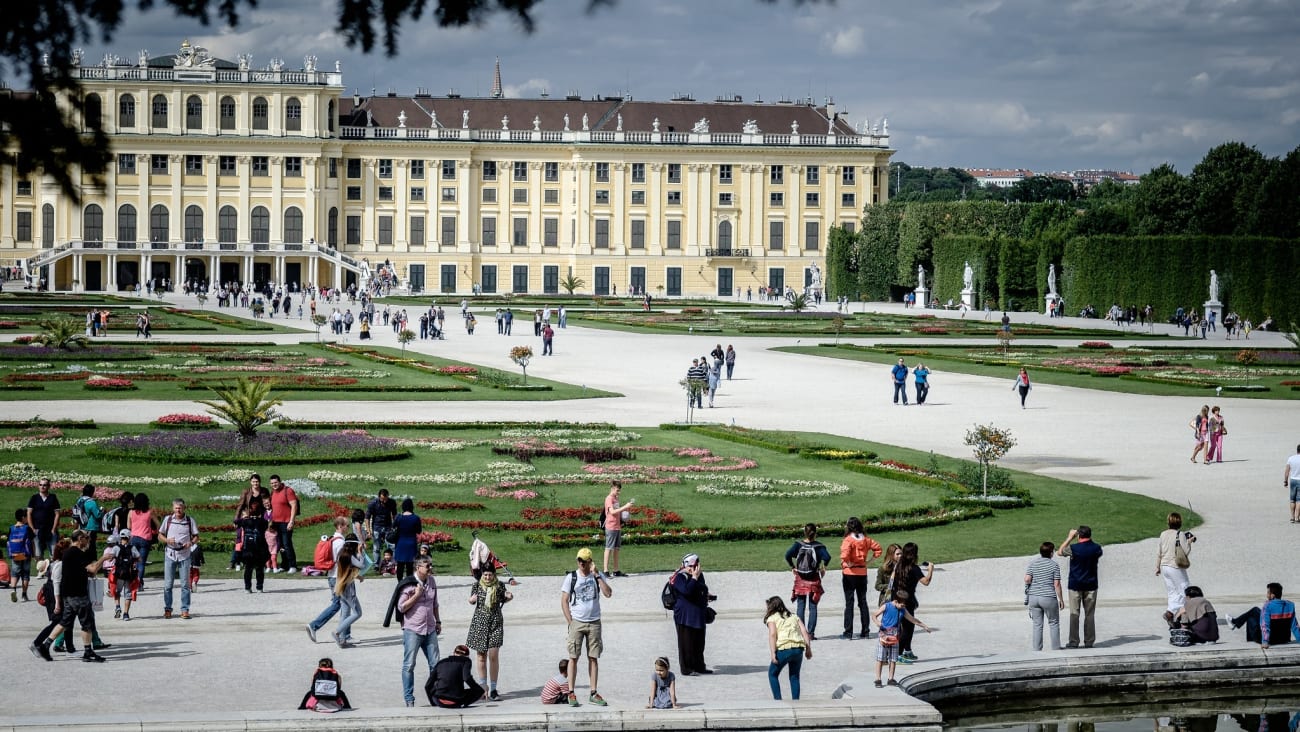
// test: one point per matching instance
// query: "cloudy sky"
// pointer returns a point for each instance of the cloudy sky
(1045, 85)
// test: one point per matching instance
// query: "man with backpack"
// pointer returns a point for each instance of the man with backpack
(87, 514)
(178, 532)
(124, 576)
(580, 603)
(329, 560)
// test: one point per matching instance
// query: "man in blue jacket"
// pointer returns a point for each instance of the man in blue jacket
(690, 614)
(900, 381)
(1276, 617)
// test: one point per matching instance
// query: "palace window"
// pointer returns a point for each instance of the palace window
(416, 235)
(776, 199)
(159, 112)
(638, 198)
(293, 225)
(489, 170)
(385, 167)
(551, 195)
(448, 230)
(385, 193)
(226, 165)
(521, 171)
(489, 231)
(550, 232)
(193, 223)
(812, 200)
(386, 231)
(159, 223)
(724, 174)
(23, 226)
(92, 223)
(811, 235)
(674, 198)
(126, 111)
(776, 235)
(724, 199)
(126, 223)
(354, 167)
(417, 169)
(849, 175)
(812, 175)
(158, 164)
(354, 193)
(261, 225)
(638, 234)
(602, 233)
(520, 195)
(417, 194)
(126, 163)
(638, 172)
(602, 197)
(353, 231)
(776, 175)
(193, 113)
(227, 113)
(848, 200)
(227, 224)
(673, 238)
(489, 195)
(293, 115)
(261, 165)
(293, 167)
(674, 172)
(193, 165)
(551, 172)
(449, 170)
(519, 235)
(261, 114)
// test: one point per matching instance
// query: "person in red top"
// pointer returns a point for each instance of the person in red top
(284, 509)
(614, 528)
(856, 552)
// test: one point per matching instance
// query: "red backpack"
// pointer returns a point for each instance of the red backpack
(324, 558)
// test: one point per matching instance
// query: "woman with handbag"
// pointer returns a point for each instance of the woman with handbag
(1173, 557)
(404, 536)
(1217, 430)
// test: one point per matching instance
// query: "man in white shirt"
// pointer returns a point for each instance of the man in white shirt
(179, 533)
(1291, 479)
(580, 603)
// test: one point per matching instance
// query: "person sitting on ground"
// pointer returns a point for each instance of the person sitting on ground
(663, 686)
(386, 564)
(1273, 623)
(326, 692)
(1198, 616)
(452, 684)
(556, 690)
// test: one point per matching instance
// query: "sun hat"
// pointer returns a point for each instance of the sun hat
(584, 554)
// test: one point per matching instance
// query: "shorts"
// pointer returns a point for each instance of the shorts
(80, 610)
(1295, 497)
(122, 588)
(578, 631)
(22, 569)
(613, 538)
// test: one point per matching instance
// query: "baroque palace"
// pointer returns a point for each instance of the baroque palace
(226, 174)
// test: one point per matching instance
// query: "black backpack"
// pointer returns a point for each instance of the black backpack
(668, 596)
(79, 512)
(805, 561)
(124, 570)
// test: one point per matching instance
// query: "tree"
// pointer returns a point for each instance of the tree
(405, 336)
(1162, 203)
(1224, 186)
(522, 355)
(64, 334)
(989, 445)
(838, 323)
(1039, 188)
(318, 320)
(694, 388)
(572, 282)
(247, 404)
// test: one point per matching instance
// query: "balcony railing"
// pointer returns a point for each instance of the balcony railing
(726, 252)
(637, 137)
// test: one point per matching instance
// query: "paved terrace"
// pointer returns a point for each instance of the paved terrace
(244, 661)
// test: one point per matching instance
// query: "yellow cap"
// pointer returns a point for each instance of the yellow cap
(584, 554)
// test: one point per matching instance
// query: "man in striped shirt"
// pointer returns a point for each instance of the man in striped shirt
(1043, 596)
(697, 377)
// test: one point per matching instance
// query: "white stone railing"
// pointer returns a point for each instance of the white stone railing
(637, 137)
(136, 73)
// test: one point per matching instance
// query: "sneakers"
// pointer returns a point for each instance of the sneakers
(13, 596)
(893, 682)
(494, 696)
(293, 570)
(619, 574)
(866, 634)
(879, 685)
(410, 703)
(126, 616)
(167, 614)
(596, 699)
(311, 633)
(42, 650)
(573, 698)
(117, 612)
(185, 615)
(92, 657)
(846, 635)
(277, 570)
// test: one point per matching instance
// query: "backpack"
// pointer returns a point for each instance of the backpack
(805, 562)
(124, 570)
(324, 556)
(602, 518)
(79, 512)
(325, 684)
(668, 596)
(573, 583)
(18, 542)
(109, 522)
(167, 525)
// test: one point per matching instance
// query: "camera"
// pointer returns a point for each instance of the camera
(1189, 536)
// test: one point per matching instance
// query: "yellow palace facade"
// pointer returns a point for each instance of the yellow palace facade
(226, 174)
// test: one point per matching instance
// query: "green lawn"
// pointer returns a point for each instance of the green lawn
(23, 316)
(1154, 371)
(436, 476)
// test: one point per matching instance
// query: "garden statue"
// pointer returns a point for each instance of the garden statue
(1214, 286)
(968, 278)
(920, 277)
(1051, 279)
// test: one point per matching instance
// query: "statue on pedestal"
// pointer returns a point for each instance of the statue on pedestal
(920, 277)
(968, 278)
(1051, 279)
(1214, 286)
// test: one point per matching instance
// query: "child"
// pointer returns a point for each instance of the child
(556, 690)
(326, 692)
(196, 561)
(386, 563)
(663, 686)
(273, 546)
(888, 618)
(123, 582)
(20, 554)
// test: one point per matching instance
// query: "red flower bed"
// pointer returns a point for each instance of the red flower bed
(24, 340)
(1095, 344)
(457, 370)
(1112, 370)
(107, 384)
(931, 330)
(187, 420)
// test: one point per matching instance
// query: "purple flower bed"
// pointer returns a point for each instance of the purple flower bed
(93, 353)
(269, 446)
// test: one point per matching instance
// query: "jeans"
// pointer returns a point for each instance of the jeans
(412, 645)
(730, 367)
(801, 603)
(142, 546)
(172, 568)
(350, 606)
(1040, 607)
(855, 592)
(922, 391)
(900, 389)
(45, 541)
(379, 545)
(284, 537)
(792, 657)
(1088, 600)
(330, 611)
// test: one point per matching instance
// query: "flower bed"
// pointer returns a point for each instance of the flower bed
(1112, 371)
(105, 383)
(181, 421)
(525, 453)
(1095, 344)
(758, 487)
(223, 446)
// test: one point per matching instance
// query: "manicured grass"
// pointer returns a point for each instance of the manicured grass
(1085, 368)
(1057, 504)
(23, 317)
(304, 371)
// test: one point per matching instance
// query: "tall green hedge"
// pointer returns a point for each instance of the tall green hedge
(877, 252)
(1255, 274)
(841, 263)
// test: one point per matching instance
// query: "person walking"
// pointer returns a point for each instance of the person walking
(788, 644)
(807, 559)
(407, 533)
(715, 378)
(921, 378)
(284, 510)
(548, 340)
(253, 548)
(899, 372)
(691, 615)
(144, 528)
(1173, 557)
(74, 598)
(421, 624)
(349, 564)
(909, 575)
(1084, 555)
(1200, 425)
(730, 359)
(580, 602)
(1022, 385)
(697, 381)
(487, 628)
(1218, 428)
(1043, 596)
(336, 547)
(614, 528)
(1291, 480)
(178, 533)
(856, 552)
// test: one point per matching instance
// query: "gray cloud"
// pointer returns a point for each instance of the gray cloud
(1020, 83)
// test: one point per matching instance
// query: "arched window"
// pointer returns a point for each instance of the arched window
(159, 223)
(227, 224)
(94, 109)
(261, 114)
(293, 225)
(293, 114)
(47, 225)
(92, 223)
(261, 229)
(724, 236)
(193, 113)
(126, 111)
(193, 223)
(126, 223)
(330, 115)
(159, 111)
(332, 229)
(227, 113)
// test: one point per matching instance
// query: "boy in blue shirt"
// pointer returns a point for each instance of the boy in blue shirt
(889, 617)
(20, 553)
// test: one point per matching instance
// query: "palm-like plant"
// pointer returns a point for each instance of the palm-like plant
(572, 282)
(798, 303)
(62, 333)
(247, 404)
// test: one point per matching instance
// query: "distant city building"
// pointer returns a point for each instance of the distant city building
(1085, 179)
(1000, 177)
(226, 173)
(1080, 179)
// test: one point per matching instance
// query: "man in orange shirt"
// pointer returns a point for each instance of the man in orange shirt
(856, 552)
(614, 528)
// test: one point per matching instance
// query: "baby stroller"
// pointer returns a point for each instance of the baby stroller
(480, 558)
